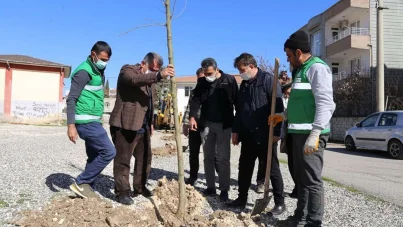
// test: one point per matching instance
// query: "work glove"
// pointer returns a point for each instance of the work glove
(276, 118)
(312, 143)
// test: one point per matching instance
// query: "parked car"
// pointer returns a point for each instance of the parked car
(379, 131)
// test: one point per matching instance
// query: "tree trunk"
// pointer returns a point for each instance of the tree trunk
(181, 180)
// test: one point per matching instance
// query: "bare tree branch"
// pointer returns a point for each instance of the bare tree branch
(184, 7)
(162, 11)
(143, 26)
(173, 9)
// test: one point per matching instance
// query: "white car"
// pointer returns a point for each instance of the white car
(379, 131)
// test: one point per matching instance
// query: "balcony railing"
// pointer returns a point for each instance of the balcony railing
(355, 72)
(348, 32)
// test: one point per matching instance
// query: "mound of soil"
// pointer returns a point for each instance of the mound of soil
(160, 211)
(168, 150)
(87, 212)
(168, 138)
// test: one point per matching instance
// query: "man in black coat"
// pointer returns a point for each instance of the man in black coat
(216, 94)
(251, 128)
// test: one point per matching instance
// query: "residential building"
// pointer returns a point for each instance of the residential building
(184, 85)
(345, 36)
(31, 89)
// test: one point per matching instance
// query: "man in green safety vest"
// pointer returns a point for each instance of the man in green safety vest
(310, 108)
(85, 107)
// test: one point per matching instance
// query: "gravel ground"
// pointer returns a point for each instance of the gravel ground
(38, 164)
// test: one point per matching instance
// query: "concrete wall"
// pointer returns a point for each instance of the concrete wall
(2, 88)
(339, 126)
(35, 96)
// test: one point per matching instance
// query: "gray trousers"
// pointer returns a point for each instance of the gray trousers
(217, 141)
(308, 174)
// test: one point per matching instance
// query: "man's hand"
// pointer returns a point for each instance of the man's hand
(276, 139)
(72, 133)
(276, 118)
(185, 129)
(193, 124)
(169, 71)
(235, 139)
(312, 143)
(152, 130)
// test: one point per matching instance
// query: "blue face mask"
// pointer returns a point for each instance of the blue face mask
(100, 64)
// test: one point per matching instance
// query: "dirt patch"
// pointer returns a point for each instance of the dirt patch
(161, 211)
(168, 150)
(87, 212)
(168, 138)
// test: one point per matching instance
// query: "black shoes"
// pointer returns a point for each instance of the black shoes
(144, 191)
(209, 192)
(190, 181)
(224, 196)
(278, 210)
(125, 199)
(239, 203)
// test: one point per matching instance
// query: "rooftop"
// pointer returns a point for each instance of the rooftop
(28, 60)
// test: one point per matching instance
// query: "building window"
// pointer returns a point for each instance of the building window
(187, 91)
(335, 68)
(355, 66)
(335, 34)
(315, 42)
(355, 28)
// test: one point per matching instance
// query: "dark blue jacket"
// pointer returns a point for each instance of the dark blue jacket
(253, 108)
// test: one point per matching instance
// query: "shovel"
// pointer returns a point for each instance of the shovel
(261, 204)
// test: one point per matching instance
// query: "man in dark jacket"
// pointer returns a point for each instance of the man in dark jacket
(216, 93)
(251, 128)
(131, 124)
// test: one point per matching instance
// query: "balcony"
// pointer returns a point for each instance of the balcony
(346, 41)
(345, 9)
(363, 70)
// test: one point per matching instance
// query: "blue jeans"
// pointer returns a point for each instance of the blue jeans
(99, 148)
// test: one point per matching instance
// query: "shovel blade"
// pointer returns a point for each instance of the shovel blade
(260, 205)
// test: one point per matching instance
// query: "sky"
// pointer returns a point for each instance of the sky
(65, 31)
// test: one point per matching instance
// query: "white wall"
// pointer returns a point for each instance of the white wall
(2, 88)
(35, 96)
(182, 99)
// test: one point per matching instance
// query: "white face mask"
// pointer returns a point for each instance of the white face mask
(211, 78)
(246, 76)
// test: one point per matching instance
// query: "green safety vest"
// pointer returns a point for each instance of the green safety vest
(301, 104)
(90, 104)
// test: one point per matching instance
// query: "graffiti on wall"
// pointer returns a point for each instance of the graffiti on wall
(34, 109)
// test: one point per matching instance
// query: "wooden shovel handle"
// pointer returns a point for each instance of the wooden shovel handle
(271, 131)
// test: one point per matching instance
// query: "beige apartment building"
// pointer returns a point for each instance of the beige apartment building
(345, 36)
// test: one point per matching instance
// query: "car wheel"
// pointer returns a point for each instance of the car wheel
(395, 149)
(349, 143)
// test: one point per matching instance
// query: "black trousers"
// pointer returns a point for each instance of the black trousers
(291, 160)
(250, 151)
(195, 142)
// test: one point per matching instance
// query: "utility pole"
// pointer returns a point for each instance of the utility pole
(380, 74)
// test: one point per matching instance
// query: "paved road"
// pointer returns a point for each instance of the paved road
(370, 171)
